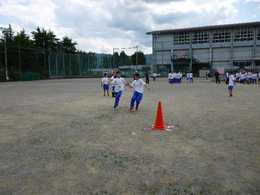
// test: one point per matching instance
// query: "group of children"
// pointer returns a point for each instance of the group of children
(247, 77)
(117, 85)
(176, 78)
(243, 78)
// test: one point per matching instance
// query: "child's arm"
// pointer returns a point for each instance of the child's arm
(129, 85)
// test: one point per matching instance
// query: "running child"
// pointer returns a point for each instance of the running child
(231, 84)
(138, 85)
(105, 84)
(119, 85)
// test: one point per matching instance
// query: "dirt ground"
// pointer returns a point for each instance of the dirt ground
(62, 137)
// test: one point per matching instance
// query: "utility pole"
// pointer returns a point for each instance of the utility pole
(5, 52)
(172, 60)
(136, 57)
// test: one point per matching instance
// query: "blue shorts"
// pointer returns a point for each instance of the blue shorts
(230, 88)
(113, 89)
(106, 87)
(136, 98)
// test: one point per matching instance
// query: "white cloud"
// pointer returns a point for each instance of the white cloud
(100, 25)
(30, 12)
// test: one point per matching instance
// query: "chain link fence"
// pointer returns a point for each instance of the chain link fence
(34, 64)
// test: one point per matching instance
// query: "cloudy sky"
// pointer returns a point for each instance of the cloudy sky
(100, 25)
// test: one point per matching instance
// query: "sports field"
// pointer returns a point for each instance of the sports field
(62, 137)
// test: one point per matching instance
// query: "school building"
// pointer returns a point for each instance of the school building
(229, 46)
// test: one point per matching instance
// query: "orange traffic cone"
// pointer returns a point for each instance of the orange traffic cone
(159, 121)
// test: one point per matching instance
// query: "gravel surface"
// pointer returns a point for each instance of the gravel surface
(63, 137)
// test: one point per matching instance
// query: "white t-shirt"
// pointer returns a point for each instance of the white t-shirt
(242, 76)
(191, 75)
(178, 76)
(105, 81)
(231, 81)
(138, 85)
(119, 84)
(123, 82)
(249, 75)
(171, 76)
(254, 76)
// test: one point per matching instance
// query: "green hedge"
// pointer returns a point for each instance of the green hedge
(30, 76)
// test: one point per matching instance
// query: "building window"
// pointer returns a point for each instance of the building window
(258, 34)
(242, 64)
(244, 34)
(200, 37)
(221, 36)
(181, 38)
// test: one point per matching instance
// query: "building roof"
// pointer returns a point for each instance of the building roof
(215, 27)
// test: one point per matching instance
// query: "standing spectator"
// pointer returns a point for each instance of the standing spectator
(231, 84)
(217, 77)
(147, 79)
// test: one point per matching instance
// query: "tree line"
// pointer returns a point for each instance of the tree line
(29, 52)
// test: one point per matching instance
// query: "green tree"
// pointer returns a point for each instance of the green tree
(8, 34)
(68, 45)
(22, 39)
(124, 59)
(116, 60)
(45, 39)
(138, 58)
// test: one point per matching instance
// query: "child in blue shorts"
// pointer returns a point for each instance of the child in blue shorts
(138, 86)
(231, 84)
(105, 84)
(119, 85)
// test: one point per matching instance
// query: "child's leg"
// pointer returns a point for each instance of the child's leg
(113, 91)
(104, 89)
(117, 99)
(133, 100)
(231, 92)
(107, 90)
(138, 100)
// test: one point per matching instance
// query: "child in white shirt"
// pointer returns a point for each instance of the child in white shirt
(231, 84)
(105, 84)
(119, 85)
(138, 86)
